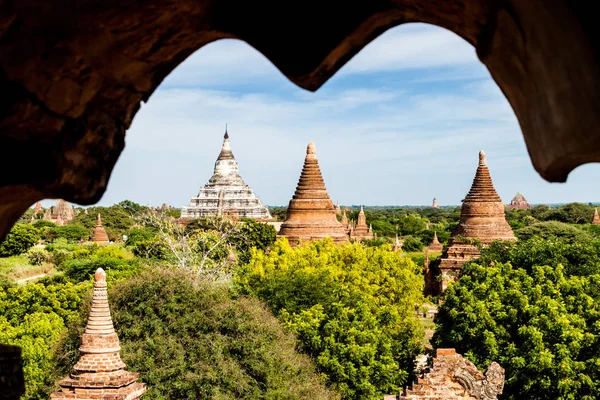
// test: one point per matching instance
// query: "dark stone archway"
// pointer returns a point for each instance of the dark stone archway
(73, 74)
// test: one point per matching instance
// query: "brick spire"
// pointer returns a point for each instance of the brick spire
(397, 245)
(435, 244)
(596, 219)
(361, 230)
(99, 235)
(481, 217)
(311, 214)
(100, 373)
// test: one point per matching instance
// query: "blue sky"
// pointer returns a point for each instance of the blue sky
(401, 123)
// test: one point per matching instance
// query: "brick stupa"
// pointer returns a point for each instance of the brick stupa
(482, 219)
(453, 377)
(596, 220)
(435, 244)
(99, 236)
(63, 211)
(311, 214)
(100, 373)
(361, 230)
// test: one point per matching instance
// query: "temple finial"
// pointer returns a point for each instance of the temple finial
(311, 149)
(226, 134)
(482, 160)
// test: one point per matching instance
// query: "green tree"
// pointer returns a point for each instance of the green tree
(351, 306)
(542, 326)
(253, 234)
(192, 339)
(20, 238)
(72, 233)
(554, 229)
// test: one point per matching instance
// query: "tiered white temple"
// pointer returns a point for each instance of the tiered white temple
(226, 194)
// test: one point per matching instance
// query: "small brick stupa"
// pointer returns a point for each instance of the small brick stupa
(435, 244)
(435, 203)
(453, 377)
(482, 218)
(311, 214)
(596, 220)
(361, 230)
(99, 236)
(38, 209)
(100, 373)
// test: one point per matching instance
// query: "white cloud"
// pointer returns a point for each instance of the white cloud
(383, 143)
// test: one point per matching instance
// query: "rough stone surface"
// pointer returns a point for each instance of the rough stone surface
(453, 377)
(226, 194)
(100, 373)
(99, 235)
(60, 214)
(310, 213)
(73, 78)
(482, 218)
(519, 202)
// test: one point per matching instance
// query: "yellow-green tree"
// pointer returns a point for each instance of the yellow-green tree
(351, 307)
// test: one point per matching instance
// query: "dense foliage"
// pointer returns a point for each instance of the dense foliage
(20, 238)
(534, 308)
(191, 339)
(352, 308)
(34, 317)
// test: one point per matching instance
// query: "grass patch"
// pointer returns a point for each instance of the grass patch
(18, 267)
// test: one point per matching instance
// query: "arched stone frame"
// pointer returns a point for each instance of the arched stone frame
(72, 78)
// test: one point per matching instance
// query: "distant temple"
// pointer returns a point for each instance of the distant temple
(435, 203)
(99, 235)
(226, 194)
(482, 219)
(361, 231)
(100, 373)
(311, 214)
(453, 377)
(596, 220)
(60, 214)
(519, 202)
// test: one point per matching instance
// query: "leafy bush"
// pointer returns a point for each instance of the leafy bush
(34, 316)
(554, 229)
(540, 324)
(42, 223)
(79, 270)
(72, 233)
(579, 258)
(137, 235)
(190, 339)
(20, 238)
(411, 243)
(151, 249)
(351, 306)
(253, 234)
(38, 256)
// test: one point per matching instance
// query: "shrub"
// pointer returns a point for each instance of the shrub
(351, 306)
(72, 233)
(42, 223)
(541, 325)
(411, 243)
(79, 270)
(137, 235)
(190, 339)
(554, 229)
(20, 238)
(38, 256)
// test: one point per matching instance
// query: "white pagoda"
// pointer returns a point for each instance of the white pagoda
(226, 194)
